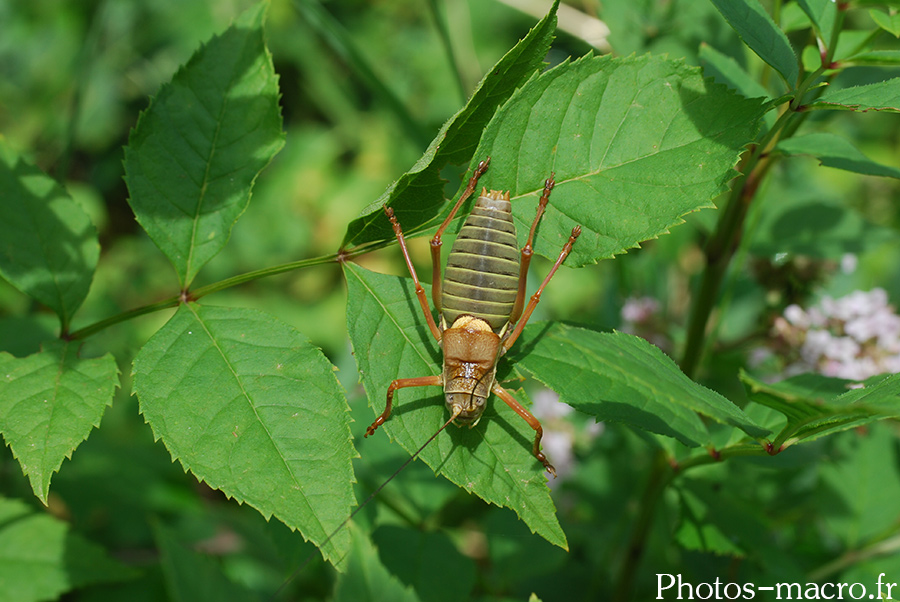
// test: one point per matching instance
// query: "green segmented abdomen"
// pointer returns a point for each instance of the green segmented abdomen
(482, 274)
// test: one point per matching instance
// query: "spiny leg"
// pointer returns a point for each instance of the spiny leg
(401, 383)
(436, 240)
(536, 297)
(532, 422)
(528, 251)
(420, 292)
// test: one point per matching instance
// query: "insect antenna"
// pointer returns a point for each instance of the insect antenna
(378, 489)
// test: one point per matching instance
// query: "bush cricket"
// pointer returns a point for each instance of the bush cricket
(481, 302)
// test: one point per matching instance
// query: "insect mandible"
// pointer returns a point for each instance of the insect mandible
(481, 302)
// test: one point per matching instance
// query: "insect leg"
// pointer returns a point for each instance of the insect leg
(420, 292)
(401, 383)
(528, 251)
(536, 297)
(436, 241)
(532, 422)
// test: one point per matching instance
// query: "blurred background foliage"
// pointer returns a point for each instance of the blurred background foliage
(75, 74)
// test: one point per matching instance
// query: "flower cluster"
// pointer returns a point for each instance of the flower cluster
(853, 337)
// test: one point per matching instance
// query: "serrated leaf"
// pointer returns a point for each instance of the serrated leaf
(634, 143)
(417, 196)
(816, 405)
(49, 403)
(623, 378)
(823, 14)
(758, 31)
(41, 558)
(834, 151)
(880, 96)
(493, 460)
(366, 578)
(48, 245)
(191, 577)
(250, 406)
(193, 157)
(887, 22)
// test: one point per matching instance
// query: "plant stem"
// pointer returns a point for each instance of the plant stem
(660, 476)
(724, 242)
(87, 331)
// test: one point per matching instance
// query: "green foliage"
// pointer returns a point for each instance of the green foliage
(640, 142)
(42, 558)
(194, 154)
(50, 247)
(49, 403)
(251, 407)
(624, 378)
(709, 465)
(492, 460)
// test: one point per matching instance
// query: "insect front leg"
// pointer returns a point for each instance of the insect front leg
(436, 241)
(532, 422)
(401, 383)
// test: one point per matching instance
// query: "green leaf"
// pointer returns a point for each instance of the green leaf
(727, 71)
(250, 406)
(635, 144)
(823, 14)
(758, 31)
(880, 96)
(49, 403)
(623, 378)
(418, 195)
(191, 577)
(816, 405)
(48, 245)
(193, 157)
(888, 22)
(834, 151)
(864, 479)
(41, 559)
(366, 579)
(493, 460)
(427, 560)
(889, 58)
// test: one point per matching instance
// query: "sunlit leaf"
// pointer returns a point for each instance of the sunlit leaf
(49, 403)
(623, 378)
(493, 459)
(48, 245)
(193, 157)
(417, 196)
(634, 143)
(250, 406)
